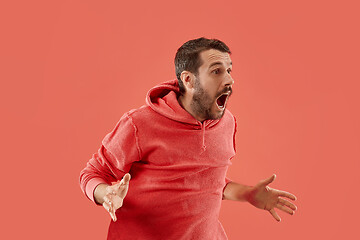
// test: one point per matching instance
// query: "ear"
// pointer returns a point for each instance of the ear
(188, 80)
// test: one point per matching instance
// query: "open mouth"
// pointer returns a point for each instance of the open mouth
(221, 100)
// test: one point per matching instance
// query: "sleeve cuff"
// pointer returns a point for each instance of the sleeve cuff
(90, 187)
(227, 181)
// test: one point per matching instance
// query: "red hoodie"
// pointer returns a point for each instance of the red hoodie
(177, 165)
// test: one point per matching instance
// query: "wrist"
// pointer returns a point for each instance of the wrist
(247, 195)
(238, 192)
(99, 193)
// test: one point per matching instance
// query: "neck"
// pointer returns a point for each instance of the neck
(185, 102)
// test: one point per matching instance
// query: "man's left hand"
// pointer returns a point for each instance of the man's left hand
(264, 197)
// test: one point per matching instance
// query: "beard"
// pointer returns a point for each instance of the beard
(202, 103)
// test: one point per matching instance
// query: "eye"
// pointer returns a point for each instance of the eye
(229, 70)
(216, 71)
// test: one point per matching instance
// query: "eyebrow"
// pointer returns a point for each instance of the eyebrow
(217, 63)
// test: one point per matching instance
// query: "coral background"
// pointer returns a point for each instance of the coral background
(70, 69)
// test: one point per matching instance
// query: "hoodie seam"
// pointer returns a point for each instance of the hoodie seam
(136, 136)
(235, 129)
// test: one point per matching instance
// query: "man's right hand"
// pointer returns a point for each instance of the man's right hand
(111, 197)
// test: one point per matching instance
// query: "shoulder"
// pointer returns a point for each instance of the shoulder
(141, 116)
(228, 116)
(228, 121)
(143, 112)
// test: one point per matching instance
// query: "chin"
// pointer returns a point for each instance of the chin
(218, 114)
(221, 114)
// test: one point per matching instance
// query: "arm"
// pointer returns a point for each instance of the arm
(261, 196)
(100, 179)
(236, 192)
(119, 149)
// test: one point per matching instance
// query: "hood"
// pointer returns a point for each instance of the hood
(163, 99)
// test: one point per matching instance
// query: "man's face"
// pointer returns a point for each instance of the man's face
(213, 85)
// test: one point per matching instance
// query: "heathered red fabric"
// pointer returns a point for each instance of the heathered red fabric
(177, 165)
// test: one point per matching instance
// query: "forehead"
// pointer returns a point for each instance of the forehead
(211, 56)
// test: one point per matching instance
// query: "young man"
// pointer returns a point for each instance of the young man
(176, 149)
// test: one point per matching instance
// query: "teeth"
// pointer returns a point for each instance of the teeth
(223, 106)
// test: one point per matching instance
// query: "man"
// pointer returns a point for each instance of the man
(177, 149)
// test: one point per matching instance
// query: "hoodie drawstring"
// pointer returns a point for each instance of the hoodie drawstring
(203, 147)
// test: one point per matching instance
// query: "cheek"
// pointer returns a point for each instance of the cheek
(212, 86)
(215, 90)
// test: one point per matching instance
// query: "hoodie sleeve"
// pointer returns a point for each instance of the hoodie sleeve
(118, 151)
(228, 180)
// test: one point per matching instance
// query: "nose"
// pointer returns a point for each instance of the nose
(228, 81)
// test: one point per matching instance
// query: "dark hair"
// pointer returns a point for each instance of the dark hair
(187, 56)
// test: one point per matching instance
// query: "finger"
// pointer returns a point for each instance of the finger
(268, 180)
(122, 191)
(281, 193)
(116, 185)
(112, 202)
(285, 209)
(113, 215)
(109, 202)
(126, 178)
(287, 203)
(108, 208)
(107, 199)
(275, 215)
(123, 187)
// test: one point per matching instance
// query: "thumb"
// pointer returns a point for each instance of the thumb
(268, 180)
(125, 180)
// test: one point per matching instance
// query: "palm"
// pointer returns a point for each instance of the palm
(263, 198)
